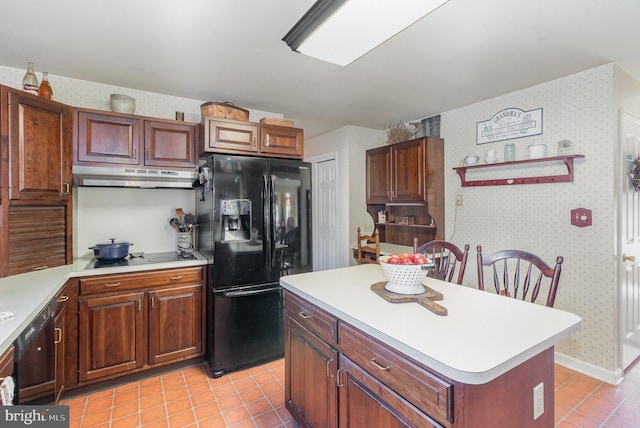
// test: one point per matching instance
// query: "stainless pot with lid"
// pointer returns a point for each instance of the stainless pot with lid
(114, 250)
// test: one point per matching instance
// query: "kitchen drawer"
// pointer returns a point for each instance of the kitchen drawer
(312, 317)
(129, 281)
(429, 393)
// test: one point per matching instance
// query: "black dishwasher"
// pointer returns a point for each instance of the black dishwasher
(35, 360)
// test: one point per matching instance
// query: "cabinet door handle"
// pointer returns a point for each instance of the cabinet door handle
(58, 335)
(329, 371)
(254, 141)
(139, 305)
(62, 298)
(66, 188)
(266, 141)
(176, 278)
(147, 154)
(338, 375)
(115, 284)
(304, 315)
(40, 267)
(377, 365)
(153, 302)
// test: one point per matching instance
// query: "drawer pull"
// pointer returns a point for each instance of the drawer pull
(338, 374)
(62, 298)
(304, 315)
(377, 365)
(115, 284)
(176, 278)
(40, 267)
(58, 335)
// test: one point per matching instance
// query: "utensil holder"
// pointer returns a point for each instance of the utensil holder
(185, 243)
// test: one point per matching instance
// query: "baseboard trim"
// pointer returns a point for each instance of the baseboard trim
(611, 377)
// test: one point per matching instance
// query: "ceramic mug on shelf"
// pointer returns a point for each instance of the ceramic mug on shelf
(491, 156)
(471, 160)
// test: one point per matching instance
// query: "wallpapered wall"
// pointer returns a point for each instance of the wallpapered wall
(536, 218)
(140, 216)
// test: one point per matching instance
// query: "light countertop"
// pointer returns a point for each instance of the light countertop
(483, 336)
(26, 294)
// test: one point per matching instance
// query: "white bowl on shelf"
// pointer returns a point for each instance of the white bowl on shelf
(122, 104)
(537, 151)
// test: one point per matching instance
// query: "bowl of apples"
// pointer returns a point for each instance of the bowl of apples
(405, 272)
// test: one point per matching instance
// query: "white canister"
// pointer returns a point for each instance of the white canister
(537, 151)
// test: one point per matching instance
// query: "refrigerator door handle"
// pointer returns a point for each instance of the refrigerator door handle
(272, 216)
(266, 233)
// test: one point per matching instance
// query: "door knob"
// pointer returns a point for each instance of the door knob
(626, 258)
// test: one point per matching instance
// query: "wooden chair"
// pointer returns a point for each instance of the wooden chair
(446, 257)
(528, 270)
(368, 247)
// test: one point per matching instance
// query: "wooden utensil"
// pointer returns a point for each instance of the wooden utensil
(425, 299)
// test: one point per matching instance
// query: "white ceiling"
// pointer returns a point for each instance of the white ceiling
(231, 50)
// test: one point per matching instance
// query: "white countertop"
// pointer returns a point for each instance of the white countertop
(26, 294)
(482, 337)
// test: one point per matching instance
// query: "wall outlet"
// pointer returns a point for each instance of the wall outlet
(538, 400)
(458, 200)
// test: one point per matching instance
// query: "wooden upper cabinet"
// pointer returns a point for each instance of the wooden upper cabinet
(111, 139)
(379, 175)
(106, 138)
(396, 173)
(39, 135)
(281, 140)
(235, 136)
(169, 144)
(231, 135)
(409, 177)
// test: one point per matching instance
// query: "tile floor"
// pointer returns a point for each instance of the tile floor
(255, 398)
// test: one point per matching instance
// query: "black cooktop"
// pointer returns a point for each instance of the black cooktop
(145, 258)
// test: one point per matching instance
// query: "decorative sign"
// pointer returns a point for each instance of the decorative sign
(508, 124)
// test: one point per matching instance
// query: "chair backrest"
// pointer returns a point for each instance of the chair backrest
(368, 247)
(447, 257)
(528, 271)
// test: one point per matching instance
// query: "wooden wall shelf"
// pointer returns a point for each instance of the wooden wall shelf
(562, 178)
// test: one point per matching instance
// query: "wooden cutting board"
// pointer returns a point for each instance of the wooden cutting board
(425, 299)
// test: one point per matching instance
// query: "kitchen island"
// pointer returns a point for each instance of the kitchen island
(400, 364)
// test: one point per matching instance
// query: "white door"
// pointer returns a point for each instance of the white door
(629, 239)
(327, 202)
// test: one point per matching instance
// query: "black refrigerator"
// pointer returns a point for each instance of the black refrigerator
(254, 218)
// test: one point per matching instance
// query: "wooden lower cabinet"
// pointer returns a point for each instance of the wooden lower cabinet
(330, 364)
(367, 402)
(156, 318)
(174, 330)
(112, 335)
(311, 390)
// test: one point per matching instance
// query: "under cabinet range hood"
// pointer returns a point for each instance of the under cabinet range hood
(99, 176)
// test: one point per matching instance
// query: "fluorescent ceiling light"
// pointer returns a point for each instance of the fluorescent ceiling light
(341, 31)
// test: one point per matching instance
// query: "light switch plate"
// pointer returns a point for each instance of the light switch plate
(581, 217)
